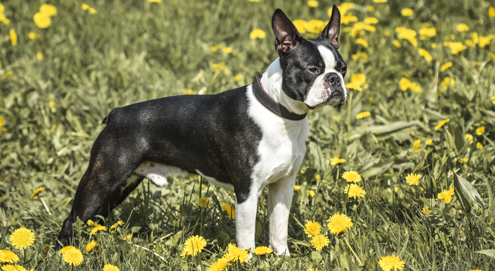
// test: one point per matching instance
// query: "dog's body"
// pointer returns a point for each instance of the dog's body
(242, 140)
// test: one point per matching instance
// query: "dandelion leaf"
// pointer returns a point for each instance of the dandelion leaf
(466, 193)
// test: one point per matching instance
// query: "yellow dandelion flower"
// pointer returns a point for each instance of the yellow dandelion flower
(37, 191)
(90, 246)
(470, 138)
(360, 55)
(413, 179)
(404, 84)
(479, 145)
(407, 34)
(352, 176)
(203, 202)
(441, 124)
(422, 52)
(66, 248)
(319, 242)
(357, 80)
(339, 223)
(42, 20)
(48, 10)
(237, 77)
(219, 265)
(445, 195)
(370, 20)
(13, 37)
(73, 257)
(297, 187)
(262, 250)
(428, 32)
(462, 28)
(363, 115)
(380, 1)
(229, 210)
(451, 190)
(193, 246)
(84, 7)
(227, 50)
(155, 1)
(236, 254)
(97, 229)
(128, 237)
(396, 189)
(92, 11)
(388, 263)
(119, 223)
(445, 66)
(312, 228)
(14, 267)
(91, 223)
(7, 256)
(311, 193)
(312, 269)
(396, 43)
(428, 142)
(362, 42)
(22, 238)
(491, 12)
(313, 3)
(456, 47)
(475, 270)
(39, 56)
(2, 121)
(406, 12)
(335, 161)
(480, 130)
(416, 145)
(315, 26)
(301, 25)
(257, 34)
(463, 160)
(110, 267)
(355, 191)
(347, 19)
(484, 41)
(426, 211)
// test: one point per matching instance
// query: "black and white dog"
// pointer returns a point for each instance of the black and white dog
(242, 140)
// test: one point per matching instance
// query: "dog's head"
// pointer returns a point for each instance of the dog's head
(313, 70)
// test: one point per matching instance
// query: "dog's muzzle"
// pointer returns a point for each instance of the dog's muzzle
(338, 93)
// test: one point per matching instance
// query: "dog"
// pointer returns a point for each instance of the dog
(242, 139)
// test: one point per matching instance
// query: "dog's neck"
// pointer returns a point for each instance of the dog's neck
(271, 82)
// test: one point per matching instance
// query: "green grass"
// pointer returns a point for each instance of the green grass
(132, 51)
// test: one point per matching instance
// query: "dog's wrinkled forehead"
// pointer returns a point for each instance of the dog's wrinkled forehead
(316, 52)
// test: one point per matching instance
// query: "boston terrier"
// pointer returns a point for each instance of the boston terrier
(242, 140)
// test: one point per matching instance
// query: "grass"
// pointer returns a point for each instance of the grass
(131, 51)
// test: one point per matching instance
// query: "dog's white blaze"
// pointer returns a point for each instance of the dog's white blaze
(214, 181)
(281, 151)
(156, 172)
(318, 95)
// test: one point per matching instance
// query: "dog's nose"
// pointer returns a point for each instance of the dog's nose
(333, 79)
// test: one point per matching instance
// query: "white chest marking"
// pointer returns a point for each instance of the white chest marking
(282, 145)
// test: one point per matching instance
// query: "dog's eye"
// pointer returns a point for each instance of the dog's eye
(314, 70)
(343, 70)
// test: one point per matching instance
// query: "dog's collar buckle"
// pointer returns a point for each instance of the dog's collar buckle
(270, 104)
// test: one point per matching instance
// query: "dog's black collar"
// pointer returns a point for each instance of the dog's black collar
(270, 104)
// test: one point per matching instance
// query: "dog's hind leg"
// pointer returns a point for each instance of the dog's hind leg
(107, 182)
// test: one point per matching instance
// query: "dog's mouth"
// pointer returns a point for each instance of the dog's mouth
(336, 98)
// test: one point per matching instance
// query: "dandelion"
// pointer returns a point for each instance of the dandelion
(91, 223)
(41, 20)
(355, 191)
(297, 187)
(311, 193)
(319, 242)
(388, 263)
(97, 228)
(236, 254)
(426, 211)
(257, 34)
(480, 130)
(22, 238)
(219, 265)
(451, 190)
(203, 202)
(357, 80)
(404, 84)
(352, 176)
(416, 145)
(37, 191)
(396, 43)
(491, 12)
(155, 1)
(227, 50)
(335, 161)
(193, 246)
(428, 32)
(413, 179)
(73, 257)
(484, 41)
(422, 52)
(229, 210)
(441, 124)
(90, 246)
(301, 25)
(470, 138)
(66, 248)
(15, 267)
(48, 10)
(237, 78)
(429, 142)
(445, 66)
(360, 55)
(479, 145)
(128, 237)
(445, 195)
(456, 47)
(109, 267)
(407, 34)
(39, 56)
(312, 228)
(92, 11)
(315, 26)
(262, 250)
(313, 3)
(119, 223)
(347, 19)
(339, 223)
(406, 12)
(13, 37)
(7, 256)
(370, 20)
(380, 1)
(462, 28)
(362, 42)
(463, 160)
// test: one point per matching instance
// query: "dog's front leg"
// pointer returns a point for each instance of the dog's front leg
(279, 201)
(245, 220)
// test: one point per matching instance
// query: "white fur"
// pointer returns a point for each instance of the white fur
(157, 173)
(281, 151)
(319, 94)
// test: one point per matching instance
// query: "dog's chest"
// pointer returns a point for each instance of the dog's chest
(282, 146)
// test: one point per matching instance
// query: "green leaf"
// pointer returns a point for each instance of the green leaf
(488, 252)
(467, 194)
(393, 127)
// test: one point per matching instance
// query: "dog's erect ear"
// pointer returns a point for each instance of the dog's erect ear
(287, 38)
(332, 29)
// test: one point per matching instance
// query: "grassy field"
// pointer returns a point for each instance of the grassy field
(412, 65)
